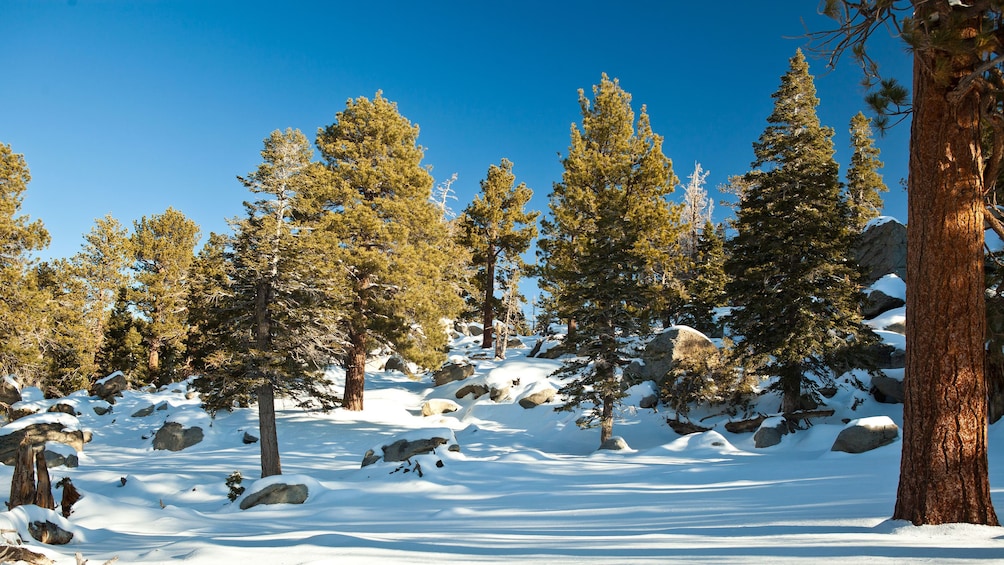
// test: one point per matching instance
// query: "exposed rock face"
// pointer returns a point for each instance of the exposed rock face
(437, 406)
(452, 372)
(866, 434)
(110, 387)
(278, 493)
(882, 250)
(175, 437)
(674, 345)
(537, 397)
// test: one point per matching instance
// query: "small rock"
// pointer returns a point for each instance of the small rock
(102, 410)
(477, 390)
(143, 412)
(397, 364)
(63, 408)
(248, 439)
(770, 432)
(648, 401)
(887, 389)
(162, 406)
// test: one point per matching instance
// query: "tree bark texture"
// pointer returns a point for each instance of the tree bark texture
(355, 371)
(943, 471)
(43, 490)
(270, 463)
(487, 311)
(22, 484)
(607, 419)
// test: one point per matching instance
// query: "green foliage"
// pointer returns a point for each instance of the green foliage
(706, 287)
(496, 228)
(163, 247)
(70, 345)
(21, 331)
(793, 281)
(608, 247)
(124, 348)
(383, 238)
(262, 313)
(864, 183)
(234, 488)
(706, 377)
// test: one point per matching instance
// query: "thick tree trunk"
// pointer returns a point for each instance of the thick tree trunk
(153, 360)
(355, 371)
(944, 471)
(22, 484)
(607, 419)
(791, 390)
(270, 464)
(487, 311)
(43, 492)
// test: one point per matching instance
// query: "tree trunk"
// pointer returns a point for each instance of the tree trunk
(607, 419)
(43, 492)
(22, 484)
(487, 310)
(943, 471)
(153, 361)
(355, 371)
(270, 464)
(791, 390)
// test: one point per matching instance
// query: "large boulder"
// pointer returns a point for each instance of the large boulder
(110, 387)
(865, 434)
(277, 493)
(770, 432)
(537, 396)
(615, 443)
(881, 250)
(878, 302)
(452, 372)
(678, 344)
(437, 406)
(10, 392)
(397, 364)
(478, 390)
(40, 429)
(172, 436)
(887, 389)
(404, 449)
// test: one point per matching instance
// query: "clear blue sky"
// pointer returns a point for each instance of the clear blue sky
(130, 107)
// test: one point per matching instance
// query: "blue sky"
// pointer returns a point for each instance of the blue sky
(126, 108)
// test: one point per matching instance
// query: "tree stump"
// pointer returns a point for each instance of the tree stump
(22, 485)
(43, 490)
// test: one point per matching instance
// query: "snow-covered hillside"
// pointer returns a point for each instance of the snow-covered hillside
(527, 485)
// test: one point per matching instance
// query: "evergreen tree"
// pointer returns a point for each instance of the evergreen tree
(495, 227)
(607, 247)
(697, 208)
(70, 345)
(164, 247)
(864, 183)
(384, 237)
(124, 348)
(793, 281)
(209, 290)
(280, 319)
(706, 288)
(21, 331)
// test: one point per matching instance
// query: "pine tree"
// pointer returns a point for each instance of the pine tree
(793, 281)
(384, 237)
(496, 228)
(124, 348)
(607, 247)
(164, 247)
(864, 183)
(697, 208)
(21, 331)
(706, 288)
(70, 345)
(209, 291)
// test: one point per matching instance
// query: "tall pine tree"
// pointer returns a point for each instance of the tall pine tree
(20, 298)
(793, 281)
(497, 228)
(864, 183)
(164, 248)
(607, 247)
(384, 237)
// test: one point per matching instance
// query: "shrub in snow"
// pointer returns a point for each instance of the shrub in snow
(234, 487)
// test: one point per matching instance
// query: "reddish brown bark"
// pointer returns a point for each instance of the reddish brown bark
(270, 462)
(944, 471)
(355, 371)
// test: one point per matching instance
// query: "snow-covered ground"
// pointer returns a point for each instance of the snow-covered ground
(528, 486)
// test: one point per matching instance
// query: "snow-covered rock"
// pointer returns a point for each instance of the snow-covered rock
(866, 434)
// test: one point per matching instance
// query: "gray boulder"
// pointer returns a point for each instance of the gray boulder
(405, 449)
(143, 412)
(881, 250)
(172, 436)
(537, 397)
(397, 364)
(770, 432)
(879, 302)
(887, 389)
(673, 346)
(452, 372)
(110, 387)
(64, 408)
(478, 390)
(866, 434)
(437, 406)
(648, 401)
(249, 439)
(55, 459)
(278, 493)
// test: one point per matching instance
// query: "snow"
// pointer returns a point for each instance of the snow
(890, 285)
(528, 484)
(879, 220)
